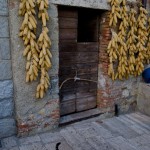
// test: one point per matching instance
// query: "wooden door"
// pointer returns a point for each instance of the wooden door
(76, 58)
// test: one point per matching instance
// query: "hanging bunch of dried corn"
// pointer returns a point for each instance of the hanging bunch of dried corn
(122, 70)
(141, 41)
(112, 52)
(27, 32)
(148, 43)
(44, 45)
(115, 12)
(131, 41)
(113, 44)
(124, 21)
(37, 53)
(131, 55)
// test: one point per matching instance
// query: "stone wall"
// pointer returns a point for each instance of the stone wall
(7, 122)
(123, 93)
(33, 115)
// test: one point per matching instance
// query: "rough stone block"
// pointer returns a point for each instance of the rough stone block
(55, 64)
(4, 29)
(7, 127)
(53, 27)
(6, 71)
(6, 108)
(52, 11)
(63, 146)
(54, 89)
(15, 148)
(3, 7)
(33, 146)
(10, 142)
(28, 140)
(6, 89)
(102, 4)
(4, 49)
(47, 137)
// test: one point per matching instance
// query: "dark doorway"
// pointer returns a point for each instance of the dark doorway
(78, 46)
(88, 25)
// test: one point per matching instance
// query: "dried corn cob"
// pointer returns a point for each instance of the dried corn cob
(131, 41)
(122, 69)
(142, 35)
(27, 32)
(44, 44)
(115, 12)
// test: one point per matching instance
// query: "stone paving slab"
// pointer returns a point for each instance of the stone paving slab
(120, 128)
(10, 142)
(121, 143)
(126, 132)
(99, 143)
(63, 146)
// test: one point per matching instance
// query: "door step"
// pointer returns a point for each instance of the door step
(68, 119)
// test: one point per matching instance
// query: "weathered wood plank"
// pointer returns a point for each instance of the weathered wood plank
(67, 46)
(68, 12)
(67, 107)
(88, 47)
(81, 69)
(68, 23)
(68, 34)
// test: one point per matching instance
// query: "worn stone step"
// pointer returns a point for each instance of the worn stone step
(144, 119)
(117, 127)
(120, 143)
(101, 131)
(139, 122)
(33, 146)
(51, 137)
(131, 124)
(143, 115)
(79, 116)
(79, 137)
(143, 140)
(74, 143)
(63, 145)
(99, 143)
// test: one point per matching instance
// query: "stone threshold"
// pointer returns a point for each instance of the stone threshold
(76, 117)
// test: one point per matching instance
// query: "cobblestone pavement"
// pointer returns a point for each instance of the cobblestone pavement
(126, 132)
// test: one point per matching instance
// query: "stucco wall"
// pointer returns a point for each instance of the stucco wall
(143, 99)
(33, 115)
